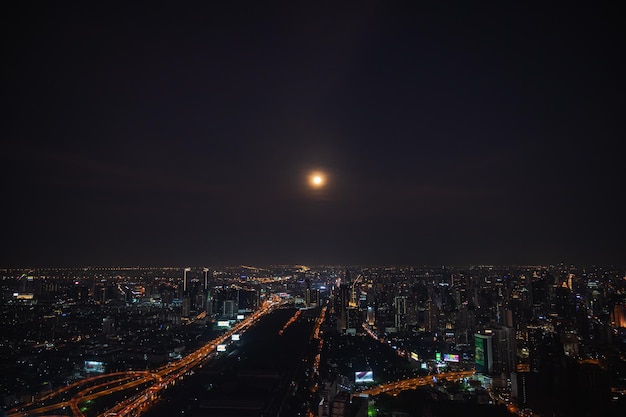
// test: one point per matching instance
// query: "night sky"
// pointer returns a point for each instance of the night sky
(184, 134)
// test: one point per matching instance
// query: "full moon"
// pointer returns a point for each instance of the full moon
(317, 180)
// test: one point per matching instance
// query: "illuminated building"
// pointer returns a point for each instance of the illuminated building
(370, 315)
(534, 334)
(619, 315)
(483, 353)
(341, 307)
(307, 293)
(524, 388)
(400, 316)
(354, 322)
(504, 350)
(185, 278)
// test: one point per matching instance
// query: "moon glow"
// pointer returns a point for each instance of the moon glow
(317, 180)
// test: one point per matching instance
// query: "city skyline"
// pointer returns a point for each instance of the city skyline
(186, 135)
(527, 341)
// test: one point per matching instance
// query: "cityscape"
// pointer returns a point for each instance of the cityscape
(314, 341)
(312, 209)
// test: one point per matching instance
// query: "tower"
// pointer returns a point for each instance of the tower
(185, 279)
(307, 293)
(206, 279)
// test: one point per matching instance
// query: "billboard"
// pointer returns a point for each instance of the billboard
(235, 337)
(94, 367)
(23, 296)
(483, 356)
(240, 317)
(364, 376)
(450, 358)
(221, 348)
(223, 323)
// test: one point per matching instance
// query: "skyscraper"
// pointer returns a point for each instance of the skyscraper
(483, 353)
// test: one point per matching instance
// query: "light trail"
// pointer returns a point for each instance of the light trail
(160, 379)
(411, 383)
(290, 322)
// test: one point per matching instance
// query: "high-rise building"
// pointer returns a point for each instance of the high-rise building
(228, 308)
(341, 307)
(483, 353)
(108, 325)
(186, 305)
(524, 388)
(504, 350)
(185, 285)
(340, 405)
(328, 393)
(400, 303)
(354, 320)
(619, 315)
(307, 293)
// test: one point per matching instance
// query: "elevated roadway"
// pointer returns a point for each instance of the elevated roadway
(393, 388)
(141, 388)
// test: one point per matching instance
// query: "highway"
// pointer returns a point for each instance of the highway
(394, 388)
(142, 388)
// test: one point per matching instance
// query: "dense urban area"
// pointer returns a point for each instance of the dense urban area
(314, 341)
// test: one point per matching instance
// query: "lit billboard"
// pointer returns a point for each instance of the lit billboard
(94, 367)
(23, 296)
(223, 323)
(450, 358)
(235, 337)
(240, 316)
(221, 348)
(483, 356)
(364, 376)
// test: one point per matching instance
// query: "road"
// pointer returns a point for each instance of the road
(395, 387)
(142, 388)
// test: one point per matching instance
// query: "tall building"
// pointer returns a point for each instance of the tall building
(328, 393)
(431, 319)
(186, 305)
(619, 315)
(185, 285)
(524, 388)
(229, 309)
(483, 353)
(400, 303)
(354, 320)
(341, 307)
(340, 405)
(504, 350)
(108, 325)
(496, 350)
(307, 293)
(534, 336)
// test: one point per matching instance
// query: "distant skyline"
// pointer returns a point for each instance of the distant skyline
(186, 134)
